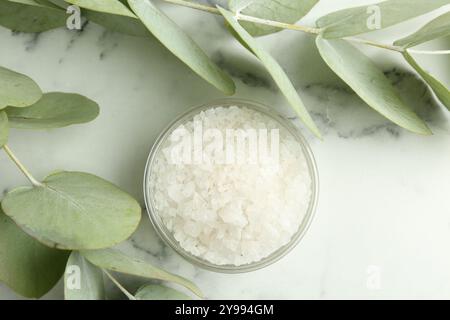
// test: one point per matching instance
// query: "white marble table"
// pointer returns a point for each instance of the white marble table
(382, 228)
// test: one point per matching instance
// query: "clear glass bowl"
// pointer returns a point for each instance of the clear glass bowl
(167, 236)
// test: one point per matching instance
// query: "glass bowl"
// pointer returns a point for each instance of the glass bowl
(167, 236)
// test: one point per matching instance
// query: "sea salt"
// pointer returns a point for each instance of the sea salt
(228, 204)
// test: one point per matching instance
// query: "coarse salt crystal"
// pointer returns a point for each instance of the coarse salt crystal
(230, 213)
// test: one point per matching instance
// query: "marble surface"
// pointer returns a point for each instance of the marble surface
(382, 227)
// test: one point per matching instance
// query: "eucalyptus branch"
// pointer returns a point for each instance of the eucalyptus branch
(125, 291)
(278, 24)
(22, 168)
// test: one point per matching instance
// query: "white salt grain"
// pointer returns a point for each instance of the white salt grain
(231, 213)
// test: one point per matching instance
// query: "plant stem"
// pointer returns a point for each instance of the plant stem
(22, 168)
(244, 17)
(429, 51)
(375, 44)
(125, 291)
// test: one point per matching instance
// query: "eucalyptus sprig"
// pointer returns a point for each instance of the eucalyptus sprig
(335, 37)
(40, 224)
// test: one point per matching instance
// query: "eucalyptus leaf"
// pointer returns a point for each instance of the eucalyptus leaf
(82, 280)
(115, 260)
(74, 210)
(17, 90)
(54, 110)
(437, 28)
(26, 266)
(181, 45)
(362, 19)
(288, 11)
(159, 292)
(4, 128)
(369, 83)
(441, 91)
(116, 23)
(106, 6)
(30, 16)
(275, 70)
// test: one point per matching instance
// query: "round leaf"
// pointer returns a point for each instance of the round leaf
(158, 292)
(54, 110)
(181, 45)
(16, 89)
(26, 266)
(30, 16)
(74, 210)
(4, 128)
(82, 280)
(369, 83)
(288, 11)
(114, 260)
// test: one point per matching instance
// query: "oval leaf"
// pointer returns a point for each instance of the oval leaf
(181, 45)
(353, 21)
(277, 73)
(74, 210)
(106, 6)
(116, 23)
(114, 260)
(54, 110)
(26, 266)
(82, 280)
(30, 16)
(438, 88)
(158, 292)
(437, 28)
(4, 128)
(17, 90)
(288, 11)
(363, 76)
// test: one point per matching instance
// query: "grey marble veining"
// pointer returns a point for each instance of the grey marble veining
(384, 191)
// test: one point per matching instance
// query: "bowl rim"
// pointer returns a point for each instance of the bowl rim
(275, 256)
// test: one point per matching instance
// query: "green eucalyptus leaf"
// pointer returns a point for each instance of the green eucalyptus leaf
(83, 280)
(74, 210)
(30, 16)
(275, 71)
(437, 28)
(441, 91)
(181, 45)
(54, 110)
(116, 23)
(159, 292)
(47, 3)
(288, 11)
(369, 83)
(357, 20)
(17, 90)
(106, 6)
(4, 128)
(115, 260)
(26, 266)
